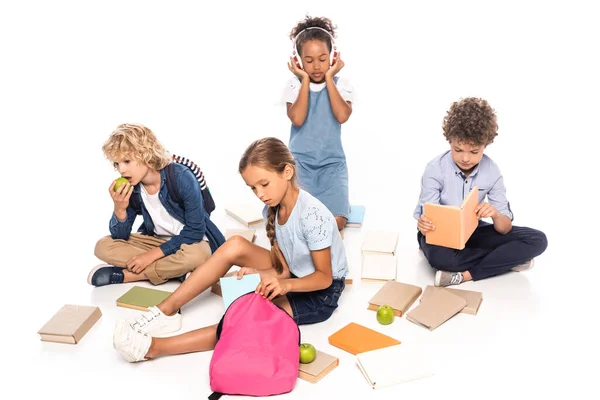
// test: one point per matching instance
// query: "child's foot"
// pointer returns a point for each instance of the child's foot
(444, 278)
(154, 322)
(105, 274)
(132, 344)
(526, 266)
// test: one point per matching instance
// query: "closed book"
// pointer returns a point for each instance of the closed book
(439, 307)
(248, 234)
(472, 298)
(355, 338)
(380, 242)
(140, 298)
(356, 217)
(246, 214)
(398, 295)
(70, 324)
(316, 370)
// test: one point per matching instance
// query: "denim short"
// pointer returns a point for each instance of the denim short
(313, 307)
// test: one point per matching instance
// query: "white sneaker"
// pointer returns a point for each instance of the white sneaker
(526, 266)
(155, 323)
(131, 344)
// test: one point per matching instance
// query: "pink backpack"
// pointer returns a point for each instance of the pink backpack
(257, 352)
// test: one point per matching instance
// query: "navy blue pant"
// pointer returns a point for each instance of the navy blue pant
(487, 253)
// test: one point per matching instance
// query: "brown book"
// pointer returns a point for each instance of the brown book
(398, 295)
(70, 324)
(216, 287)
(248, 234)
(439, 307)
(316, 370)
(355, 339)
(473, 299)
(453, 225)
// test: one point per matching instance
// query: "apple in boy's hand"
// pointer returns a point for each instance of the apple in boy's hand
(118, 182)
(385, 315)
(308, 353)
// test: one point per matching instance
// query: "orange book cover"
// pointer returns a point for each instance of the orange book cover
(355, 339)
(453, 225)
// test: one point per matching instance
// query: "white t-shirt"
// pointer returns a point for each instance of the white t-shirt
(310, 226)
(292, 88)
(165, 226)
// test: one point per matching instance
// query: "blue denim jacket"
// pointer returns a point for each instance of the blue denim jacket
(193, 216)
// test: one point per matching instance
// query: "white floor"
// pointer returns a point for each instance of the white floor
(207, 79)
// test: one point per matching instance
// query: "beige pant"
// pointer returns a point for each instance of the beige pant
(117, 252)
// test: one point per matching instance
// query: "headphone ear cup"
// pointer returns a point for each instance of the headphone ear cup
(296, 59)
(334, 55)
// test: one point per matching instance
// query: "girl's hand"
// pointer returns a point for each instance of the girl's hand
(299, 72)
(271, 287)
(245, 271)
(120, 196)
(485, 210)
(425, 225)
(337, 66)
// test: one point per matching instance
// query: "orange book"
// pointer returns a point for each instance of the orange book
(355, 339)
(453, 225)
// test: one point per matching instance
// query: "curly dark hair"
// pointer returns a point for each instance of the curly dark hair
(313, 34)
(471, 120)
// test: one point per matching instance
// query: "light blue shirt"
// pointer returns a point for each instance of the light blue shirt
(311, 226)
(444, 183)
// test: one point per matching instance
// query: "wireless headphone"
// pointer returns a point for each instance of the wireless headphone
(332, 54)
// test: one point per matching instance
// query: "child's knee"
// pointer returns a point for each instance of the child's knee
(102, 248)
(234, 246)
(441, 258)
(540, 240)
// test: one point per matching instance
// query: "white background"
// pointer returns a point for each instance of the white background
(207, 78)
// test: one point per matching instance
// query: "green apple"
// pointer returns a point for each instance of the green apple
(385, 315)
(118, 182)
(308, 353)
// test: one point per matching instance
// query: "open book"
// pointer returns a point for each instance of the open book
(453, 225)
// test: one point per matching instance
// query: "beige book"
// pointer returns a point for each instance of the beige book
(316, 370)
(245, 213)
(379, 242)
(437, 309)
(453, 225)
(70, 324)
(248, 234)
(393, 365)
(473, 299)
(379, 267)
(398, 295)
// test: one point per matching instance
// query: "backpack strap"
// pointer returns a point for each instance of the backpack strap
(209, 202)
(215, 396)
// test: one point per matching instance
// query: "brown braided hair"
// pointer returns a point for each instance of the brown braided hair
(273, 155)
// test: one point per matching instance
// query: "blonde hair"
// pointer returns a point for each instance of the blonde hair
(138, 143)
(273, 155)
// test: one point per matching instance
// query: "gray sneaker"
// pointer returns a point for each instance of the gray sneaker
(526, 266)
(445, 278)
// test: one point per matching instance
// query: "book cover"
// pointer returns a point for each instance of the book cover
(472, 298)
(398, 295)
(246, 214)
(453, 225)
(232, 287)
(355, 338)
(70, 323)
(380, 242)
(394, 365)
(248, 234)
(315, 371)
(216, 287)
(140, 298)
(356, 217)
(437, 309)
(378, 267)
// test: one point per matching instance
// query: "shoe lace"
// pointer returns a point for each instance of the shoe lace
(456, 278)
(144, 319)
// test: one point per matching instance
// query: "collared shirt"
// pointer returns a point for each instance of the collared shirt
(444, 183)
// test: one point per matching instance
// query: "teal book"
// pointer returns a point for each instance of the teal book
(232, 287)
(357, 215)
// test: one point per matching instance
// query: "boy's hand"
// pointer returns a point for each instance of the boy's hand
(120, 196)
(425, 225)
(486, 210)
(338, 64)
(138, 264)
(296, 70)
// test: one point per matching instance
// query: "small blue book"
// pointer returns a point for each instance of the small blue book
(232, 287)
(357, 215)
